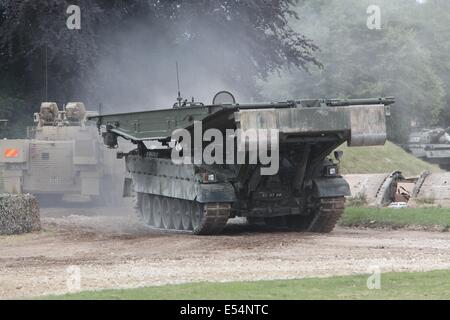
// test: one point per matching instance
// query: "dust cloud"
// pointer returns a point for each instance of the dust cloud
(138, 70)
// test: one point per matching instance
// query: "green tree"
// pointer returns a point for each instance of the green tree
(235, 41)
(358, 62)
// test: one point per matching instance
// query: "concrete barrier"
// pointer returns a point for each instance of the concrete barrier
(367, 185)
(435, 188)
(380, 189)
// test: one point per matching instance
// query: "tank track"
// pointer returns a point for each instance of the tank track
(182, 216)
(322, 219)
(329, 210)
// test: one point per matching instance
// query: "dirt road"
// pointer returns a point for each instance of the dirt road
(116, 251)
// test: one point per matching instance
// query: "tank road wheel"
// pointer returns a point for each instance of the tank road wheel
(157, 212)
(166, 212)
(146, 209)
(324, 216)
(176, 207)
(191, 216)
(186, 210)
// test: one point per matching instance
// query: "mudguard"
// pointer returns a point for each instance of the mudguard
(331, 187)
(216, 192)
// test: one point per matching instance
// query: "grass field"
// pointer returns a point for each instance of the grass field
(401, 285)
(381, 159)
(386, 217)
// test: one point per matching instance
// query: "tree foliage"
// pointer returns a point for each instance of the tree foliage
(254, 38)
(408, 58)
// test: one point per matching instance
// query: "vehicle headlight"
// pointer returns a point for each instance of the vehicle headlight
(208, 177)
(331, 171)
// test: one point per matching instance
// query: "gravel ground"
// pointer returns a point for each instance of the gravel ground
(113, 250)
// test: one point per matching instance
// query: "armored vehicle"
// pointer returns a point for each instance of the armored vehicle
(62, 158)
(177, 190)
(432, 145)
(3, 123)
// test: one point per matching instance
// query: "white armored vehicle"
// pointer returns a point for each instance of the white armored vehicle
(62, 158)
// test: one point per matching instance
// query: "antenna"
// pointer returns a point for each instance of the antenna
(46, 72)
(178, 83)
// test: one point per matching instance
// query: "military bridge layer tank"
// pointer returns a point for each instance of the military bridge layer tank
(305, 194)
(432, 145)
